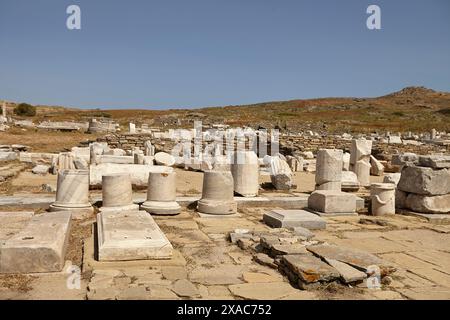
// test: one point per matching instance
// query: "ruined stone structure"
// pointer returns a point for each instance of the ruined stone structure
(329, 169)
(217, 194)
(245, 170)
(73, 193)
(425, 187)
(117, 194)
(360, 152)
(161, 194)
(382, 198)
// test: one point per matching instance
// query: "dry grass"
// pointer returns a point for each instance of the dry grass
(16, 282)
(44, 140)
(411, 109)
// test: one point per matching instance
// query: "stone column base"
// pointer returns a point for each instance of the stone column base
(216, 207)
(161, 207)
(78, 212)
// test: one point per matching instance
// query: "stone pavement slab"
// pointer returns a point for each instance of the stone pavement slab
(294, 218)
(356, 258)
(263, 291)
(130, 235)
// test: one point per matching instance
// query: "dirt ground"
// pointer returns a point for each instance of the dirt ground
(48, 141)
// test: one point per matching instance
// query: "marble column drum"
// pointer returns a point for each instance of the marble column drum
(217, 194)
(329, 169)
(382, 197)
(161, 194)
(72, 193)
(360, 151)
(117, 193)
(245, 171)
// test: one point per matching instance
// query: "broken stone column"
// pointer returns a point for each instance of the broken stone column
(72, 193)
(295, 163)
(4, 110)
(95, 150)
(149, 149)
(64, 161)
(433, 134)
(280, 173)
(132, 128)
(161, 194)
(245, 171)
(329, 169)
(346, 162)
(139, 158)
(360, 152)
(117, 193)
(382, 197)
(376, 167)
(217, 194)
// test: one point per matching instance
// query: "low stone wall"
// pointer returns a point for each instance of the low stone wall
(289, 145)
(125, 141)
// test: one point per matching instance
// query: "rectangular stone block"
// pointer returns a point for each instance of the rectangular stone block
(358, 259)
(294, 218)
(347, 272)
(130, 235)
(8, 156)
(309, 269)
(425, 181)
(39, 247)
(332, 201)
(115, 159)
(428, 204)
(435, 161)
(138, 172)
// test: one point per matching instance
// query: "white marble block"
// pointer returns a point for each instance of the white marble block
(40, 247)
(332, 202)
(130, 235)
(245, 171)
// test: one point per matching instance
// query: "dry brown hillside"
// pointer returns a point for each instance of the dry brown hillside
(411, 109)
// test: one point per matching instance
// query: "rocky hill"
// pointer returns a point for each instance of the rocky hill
(410, 109)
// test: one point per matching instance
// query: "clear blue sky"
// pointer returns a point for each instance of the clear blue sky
(195, 53)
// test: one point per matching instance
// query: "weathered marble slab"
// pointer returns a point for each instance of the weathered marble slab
(130, 235)
(294, 218)
(12, 222)
(39, 247)
(359, 259)
(332, 202)
(428, 204)
(425, 181)
(435, 161)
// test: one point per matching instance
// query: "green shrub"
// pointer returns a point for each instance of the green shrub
(25, 109)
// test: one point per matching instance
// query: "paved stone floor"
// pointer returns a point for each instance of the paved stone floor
(206, 265)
